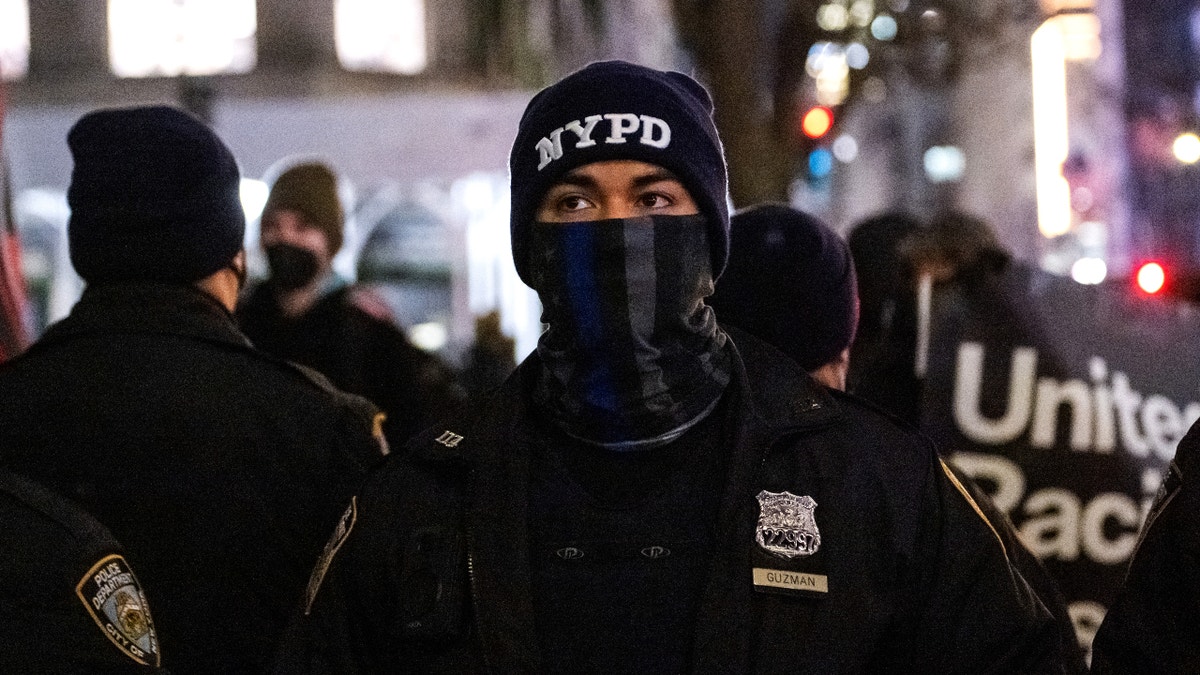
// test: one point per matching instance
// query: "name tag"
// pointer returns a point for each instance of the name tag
(791, 581)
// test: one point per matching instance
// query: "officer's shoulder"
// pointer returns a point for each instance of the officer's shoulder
(311, 382)
(860, 408)
(51, 512)
(1187, 453)
(358, 407)
(59, 556)
(424, 474)
(870, 418)
(455, 441)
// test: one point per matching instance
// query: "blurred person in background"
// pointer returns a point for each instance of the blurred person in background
(956, 249)
(649, 492)
(880, 356)
(220, 468)
(72, 603)
(305, 312)
(490, 360)
(14, 331)
(791, 281)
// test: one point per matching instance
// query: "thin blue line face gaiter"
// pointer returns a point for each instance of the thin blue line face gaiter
(632, 356)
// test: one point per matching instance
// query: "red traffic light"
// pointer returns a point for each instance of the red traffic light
(1151, 278)
(817, 121)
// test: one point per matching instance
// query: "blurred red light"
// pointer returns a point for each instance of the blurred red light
(817, 121)
(1151, 277)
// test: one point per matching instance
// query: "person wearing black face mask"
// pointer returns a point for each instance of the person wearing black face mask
(305, 312)
(218, 467)
(651, 491)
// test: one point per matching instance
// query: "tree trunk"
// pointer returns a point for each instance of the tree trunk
(727, 43)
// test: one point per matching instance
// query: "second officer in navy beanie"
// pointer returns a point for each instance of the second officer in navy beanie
(154, 196)
(613, 110)
(790, 281)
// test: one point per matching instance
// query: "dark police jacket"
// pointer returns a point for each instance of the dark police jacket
(430, 569)
(71, 603)
(220, 469)
(1153, 626)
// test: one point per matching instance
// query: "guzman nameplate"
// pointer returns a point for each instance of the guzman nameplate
(793, 581)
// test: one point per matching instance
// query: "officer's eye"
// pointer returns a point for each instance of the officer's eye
(655, 200)
(573, 203)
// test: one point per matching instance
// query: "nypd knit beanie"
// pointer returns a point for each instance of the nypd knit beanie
(791, 282)
(615, 110)
(154, 196)
(312, 190)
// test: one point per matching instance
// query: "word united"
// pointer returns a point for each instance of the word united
(654, 132)
(1104, 414)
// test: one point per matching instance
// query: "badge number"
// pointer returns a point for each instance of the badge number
(787, 527)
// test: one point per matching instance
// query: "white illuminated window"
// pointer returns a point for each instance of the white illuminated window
(181, 37)
(381, 35)
(14, 39)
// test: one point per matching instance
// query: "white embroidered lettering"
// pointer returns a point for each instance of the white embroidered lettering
(549, 149)
(649, 125)
(621, 125)
(583, 131)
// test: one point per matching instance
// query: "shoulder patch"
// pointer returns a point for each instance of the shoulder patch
(116, 602)
(340, 534)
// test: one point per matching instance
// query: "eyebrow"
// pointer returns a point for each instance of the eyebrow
(576, 179)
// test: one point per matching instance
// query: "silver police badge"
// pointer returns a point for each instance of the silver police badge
(786, 526)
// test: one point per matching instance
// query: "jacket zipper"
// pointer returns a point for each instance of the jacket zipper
(475, 602)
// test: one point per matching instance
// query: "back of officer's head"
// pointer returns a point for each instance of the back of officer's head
(613, 110)
(790, 281)
(153, 196)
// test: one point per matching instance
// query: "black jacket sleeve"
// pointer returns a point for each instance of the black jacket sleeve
(1154, 624)
(977, 613)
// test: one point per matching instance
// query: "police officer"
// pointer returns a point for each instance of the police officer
(648, 492)
(791, 281)
(219, 468)
(72, 603)
(305, 312)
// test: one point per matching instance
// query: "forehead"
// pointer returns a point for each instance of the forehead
(286, 216)
(617, 172)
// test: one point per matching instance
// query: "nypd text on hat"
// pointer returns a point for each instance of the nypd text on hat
(621, 127)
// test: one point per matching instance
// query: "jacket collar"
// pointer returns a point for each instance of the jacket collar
(148, 308)
(779, 393)
(772, 390)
